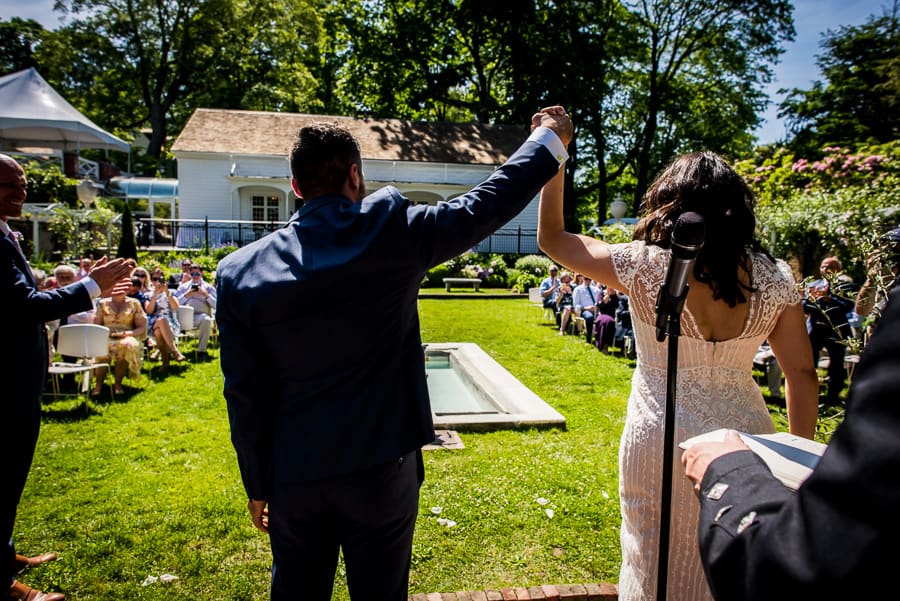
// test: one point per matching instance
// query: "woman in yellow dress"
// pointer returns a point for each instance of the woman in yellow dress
(127, 325)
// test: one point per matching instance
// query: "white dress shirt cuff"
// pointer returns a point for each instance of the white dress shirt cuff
(92, 287)
(548, 138)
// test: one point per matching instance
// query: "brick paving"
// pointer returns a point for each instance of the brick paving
(602, 591)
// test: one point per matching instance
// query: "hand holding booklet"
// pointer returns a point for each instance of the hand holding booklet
(791, 458)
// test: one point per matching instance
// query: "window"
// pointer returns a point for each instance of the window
(265, 208)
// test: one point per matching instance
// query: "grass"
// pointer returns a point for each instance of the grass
(148, 484)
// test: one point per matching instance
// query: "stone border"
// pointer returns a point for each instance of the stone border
(519, 406)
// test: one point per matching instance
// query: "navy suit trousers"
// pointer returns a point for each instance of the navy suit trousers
(369, 515)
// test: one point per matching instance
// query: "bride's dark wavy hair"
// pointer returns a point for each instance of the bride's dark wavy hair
(704, 183)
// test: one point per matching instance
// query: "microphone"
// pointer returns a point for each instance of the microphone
(687, 240)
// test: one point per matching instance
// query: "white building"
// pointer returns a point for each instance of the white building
(233, 166)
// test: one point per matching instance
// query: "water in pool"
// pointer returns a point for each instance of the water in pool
(451, 393)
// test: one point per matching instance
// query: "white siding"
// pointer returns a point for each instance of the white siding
(209, 188)
(204, 189)
(430, 173)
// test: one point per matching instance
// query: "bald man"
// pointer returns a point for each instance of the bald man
(23, 364)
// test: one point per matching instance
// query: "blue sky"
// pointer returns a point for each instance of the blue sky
(796, 70)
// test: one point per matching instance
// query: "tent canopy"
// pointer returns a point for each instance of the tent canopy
(32, 114)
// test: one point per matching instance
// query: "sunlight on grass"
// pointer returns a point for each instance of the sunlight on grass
(148, 484)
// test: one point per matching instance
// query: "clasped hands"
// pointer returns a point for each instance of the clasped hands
(555, 118)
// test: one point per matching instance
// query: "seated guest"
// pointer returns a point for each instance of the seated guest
(127, 325)
(40, 278)
(550, 288)
(624, 338)
(65, 275)
(135, 291)
(84, 267)
(201, 296)
(162, 317)
(564, 303)
(585, 299)
(144, 276)
(185, 276)
(605, 323)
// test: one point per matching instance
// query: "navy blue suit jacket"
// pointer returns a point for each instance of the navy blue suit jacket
(23, 371)
(838, 536)
(319, 328)
(24, 353)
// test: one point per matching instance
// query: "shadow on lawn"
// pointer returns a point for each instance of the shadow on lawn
(68, 411)
(72, 406)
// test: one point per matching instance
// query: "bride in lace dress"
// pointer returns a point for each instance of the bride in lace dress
(738, 297)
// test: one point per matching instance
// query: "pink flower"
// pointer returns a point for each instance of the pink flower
(800, 166)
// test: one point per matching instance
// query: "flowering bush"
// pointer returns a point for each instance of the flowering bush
(490, 268)
(775, 172)
(809, 208)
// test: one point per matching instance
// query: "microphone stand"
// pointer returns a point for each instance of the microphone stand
(673, 331)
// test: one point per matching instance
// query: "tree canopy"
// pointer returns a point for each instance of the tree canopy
(859, 99)
(643, 80)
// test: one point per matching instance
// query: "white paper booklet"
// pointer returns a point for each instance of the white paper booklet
(791, 458)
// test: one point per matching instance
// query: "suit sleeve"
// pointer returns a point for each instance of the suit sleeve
(21, 299)
(248, 396)
(444, 231)
(837, 536)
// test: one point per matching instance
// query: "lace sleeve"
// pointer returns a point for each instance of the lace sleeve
(641, 268)
(625, 259)
(792, 295)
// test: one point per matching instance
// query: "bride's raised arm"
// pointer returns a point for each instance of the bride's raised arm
(578, 253)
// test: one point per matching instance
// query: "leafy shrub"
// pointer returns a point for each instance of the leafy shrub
(47, 184)
(617, 233)
(221, 252)
(811, 226)
(435, 276)
(521, 281)
(490, 268)
(77, 233)
(539, 265)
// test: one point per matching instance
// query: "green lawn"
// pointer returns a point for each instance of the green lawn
(148, 484)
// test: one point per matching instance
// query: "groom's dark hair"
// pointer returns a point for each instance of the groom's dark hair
(321, 157)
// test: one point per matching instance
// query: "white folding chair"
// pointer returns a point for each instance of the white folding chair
(537, 301)
(186, 321)
(85, 341)
(186, 317)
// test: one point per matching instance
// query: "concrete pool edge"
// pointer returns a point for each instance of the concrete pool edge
(522, 408)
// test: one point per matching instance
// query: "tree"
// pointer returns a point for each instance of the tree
(127, 247)
(859, 99)
(643, 80)
(264, 60)
(698, 82)
(134, 63)
(19, 39)
(140, 57)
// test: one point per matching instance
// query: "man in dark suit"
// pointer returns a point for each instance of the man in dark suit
(23, 363)
(327, 420)
(837, 536)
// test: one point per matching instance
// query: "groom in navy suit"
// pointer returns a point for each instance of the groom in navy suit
(327, 417)
(23, 363)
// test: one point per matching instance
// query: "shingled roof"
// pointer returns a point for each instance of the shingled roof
(259, 133)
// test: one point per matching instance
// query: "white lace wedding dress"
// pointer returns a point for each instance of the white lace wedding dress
(715, 389)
